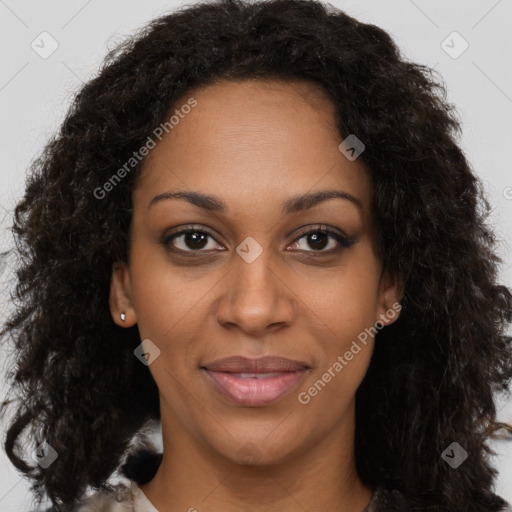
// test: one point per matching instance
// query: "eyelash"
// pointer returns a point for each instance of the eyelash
(343, 241)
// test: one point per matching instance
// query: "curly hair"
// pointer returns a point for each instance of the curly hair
(435, 372)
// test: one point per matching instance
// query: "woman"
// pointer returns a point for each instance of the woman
(256, 226)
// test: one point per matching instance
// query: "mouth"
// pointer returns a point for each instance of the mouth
(255, 382)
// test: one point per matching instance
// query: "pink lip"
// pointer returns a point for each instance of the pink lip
(254, 392)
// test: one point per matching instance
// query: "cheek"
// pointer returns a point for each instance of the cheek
(344, 347)
(165, 299)
(345, 301)
(342, 316)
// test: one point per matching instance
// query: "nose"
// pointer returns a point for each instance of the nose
(255, 296)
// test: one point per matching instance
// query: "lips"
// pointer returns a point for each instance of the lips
(255, 382)
(267, 364)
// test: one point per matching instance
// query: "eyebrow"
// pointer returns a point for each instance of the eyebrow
(292, 205)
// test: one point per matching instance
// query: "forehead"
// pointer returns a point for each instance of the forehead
(253, 141)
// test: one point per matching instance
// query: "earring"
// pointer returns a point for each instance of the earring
(123, 317)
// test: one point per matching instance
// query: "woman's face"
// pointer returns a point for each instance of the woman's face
(251, 282)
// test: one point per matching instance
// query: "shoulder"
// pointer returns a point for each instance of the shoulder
(118, 498)
(139, 467)
(386, 498)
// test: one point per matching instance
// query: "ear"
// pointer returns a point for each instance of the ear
(390, 295)
(120, 298)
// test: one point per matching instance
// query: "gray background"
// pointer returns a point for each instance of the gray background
(35, 93)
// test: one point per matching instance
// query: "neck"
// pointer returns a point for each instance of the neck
(323, 476)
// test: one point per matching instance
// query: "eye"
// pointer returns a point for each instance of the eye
(318, 238)
(192, 240)
(189, 240)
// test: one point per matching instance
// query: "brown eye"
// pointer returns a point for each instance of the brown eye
(318, 240)
(190, 240)
(193, 240)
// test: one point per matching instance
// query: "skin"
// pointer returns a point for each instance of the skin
(254, 144)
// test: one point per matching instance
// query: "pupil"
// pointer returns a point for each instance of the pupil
(195, 239)
(314, 237)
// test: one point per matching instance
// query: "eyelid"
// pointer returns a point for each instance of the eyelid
(344, 241)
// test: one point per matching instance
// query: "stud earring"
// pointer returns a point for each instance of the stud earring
(123, 317)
